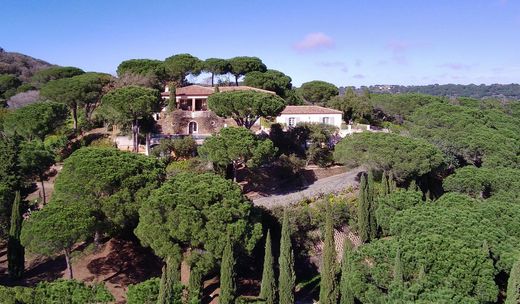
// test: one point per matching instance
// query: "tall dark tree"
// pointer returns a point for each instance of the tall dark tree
(242, 65)
(384, 184)
(318, 92)
(329, 267)
(216, 66)
(268, 286)
(177, 67)
(168, 293)
(79, 91)
(345, 287)
(287, 278)
(246, 107)
(363, 211)
(35, 160)
(15, 250)
(271, 80)
(56, 229)
(130, 106)
(11, 178)
(513, 284)
(372, 207)
(227, 275)
(398, 268)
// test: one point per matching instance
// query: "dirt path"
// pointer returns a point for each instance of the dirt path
(321, 186)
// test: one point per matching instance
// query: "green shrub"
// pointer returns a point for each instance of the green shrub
(143, 293)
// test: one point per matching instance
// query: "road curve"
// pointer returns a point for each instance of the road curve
(325, 185)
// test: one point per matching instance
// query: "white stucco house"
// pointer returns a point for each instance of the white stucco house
(292, 115)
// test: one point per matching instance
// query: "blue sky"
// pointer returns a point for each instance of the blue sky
(343, 42)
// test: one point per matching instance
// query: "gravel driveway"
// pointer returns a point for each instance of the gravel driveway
(325, 185)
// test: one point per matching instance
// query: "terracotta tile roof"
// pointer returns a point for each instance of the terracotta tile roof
(309, 110)
(198, 90)
(243, 88)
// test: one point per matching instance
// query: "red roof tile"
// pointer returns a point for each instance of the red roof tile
(198, 90)
(309, 110)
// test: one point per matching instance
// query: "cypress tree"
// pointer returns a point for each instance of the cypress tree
(287, 277)
(169, 281)
(398, 268)
(384, 183)
(328, 284)
(371, 194)
(161, 298)
(392, 184)
(227, 276)
(363, 211)
(513, 284)
(195, 286)
(15, 250)
(345, 289)
(268, 286)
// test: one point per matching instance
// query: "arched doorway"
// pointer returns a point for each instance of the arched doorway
(192, 128)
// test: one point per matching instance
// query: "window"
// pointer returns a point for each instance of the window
(292, 122)
(326, 120)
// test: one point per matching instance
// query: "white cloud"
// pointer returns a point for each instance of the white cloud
(314, 41)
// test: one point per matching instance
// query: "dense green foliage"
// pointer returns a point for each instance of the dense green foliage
(8, 86)
(175, 149)
(170, 289)
(110, 182)
(236, 146)
(346, 293)
(511, 91)
(268, 285)
(318, 92)
(245, 107)
(404, 157)
(197, 211)
(513, 285)
(140, 67)
(399, 106)
(129, 107)
(271, 80)
(287, 277)
(354, 107)
(15, 250)
(178, 66)
(227, 275)
(57, 72)
(485, 182)
(56, 228)
(461, 243)
(242, 65)
(216, 66)
(59, 291)
(329, 267)
(488, 138)
(36, 120)
(11, 178)
(79, 91)
(143, 293)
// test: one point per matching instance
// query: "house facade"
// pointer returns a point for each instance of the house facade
(192, 115)
(292, 115)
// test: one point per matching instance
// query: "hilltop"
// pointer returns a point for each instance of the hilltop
(20, 65)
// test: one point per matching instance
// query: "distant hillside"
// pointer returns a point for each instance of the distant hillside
(500, 91)
(20, 65)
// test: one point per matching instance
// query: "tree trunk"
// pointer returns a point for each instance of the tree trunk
(135, 134)
(43, 189)
(212, 79)
(75, 117)
(97, 240)
(235, 171)
(236, 79)
(67, 260)
(147, 145)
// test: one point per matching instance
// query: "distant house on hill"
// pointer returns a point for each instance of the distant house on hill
(292, 115)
